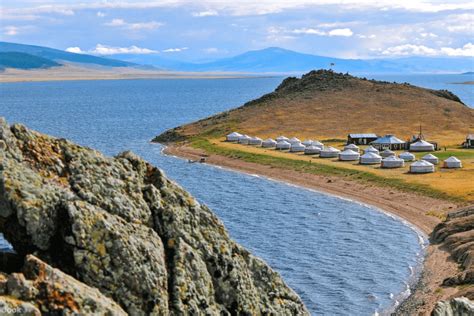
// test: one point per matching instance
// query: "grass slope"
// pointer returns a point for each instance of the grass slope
(24, 61)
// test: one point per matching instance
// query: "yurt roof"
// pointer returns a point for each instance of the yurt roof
(388, 139)
(370, 155)
(421, 163)
(308, 141)
(297, 144)
(294, 139)
(317, 143)
(392, 158)
(269, 140)
(283, 142)
(421, 142)
(235, 134)
(312, 147)
(256, 138)
(406, 154)
(352, 146)
(371, 149)
(245, 136)
(429, 156)
(282, 137)
(349, 152)
(330, 148)
(452, 159)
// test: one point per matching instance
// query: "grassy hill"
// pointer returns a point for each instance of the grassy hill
(328, 105)
(24, 61)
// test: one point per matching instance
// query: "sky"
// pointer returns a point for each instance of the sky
(209, 29)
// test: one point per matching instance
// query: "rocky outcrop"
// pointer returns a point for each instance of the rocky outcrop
(459, 306)
(120, 226)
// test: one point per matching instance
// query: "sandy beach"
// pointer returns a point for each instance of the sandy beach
(423, 213)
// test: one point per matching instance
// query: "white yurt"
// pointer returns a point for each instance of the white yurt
(452, 162)
(352, 147)
(255, 141)
(312, 150)
(371, 149)
(421, 145)
(393, 162)
(281, 138)
(387, 153)
(407, 156)
(269, 143)
(329, 152)
(431, 158)
(349, 155)
(282, 145)
(297, 147)
(233, 137)
(370, 158)
(307, 142)
(244, 139)
(293, 140)
(318, 144)
(422, 166)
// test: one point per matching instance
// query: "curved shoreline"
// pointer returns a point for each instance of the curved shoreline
(411, 209)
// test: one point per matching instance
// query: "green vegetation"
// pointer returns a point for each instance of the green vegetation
(24, 61)
(461, 154)
(320, 169)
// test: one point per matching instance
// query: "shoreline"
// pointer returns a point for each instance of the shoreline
(436, 265)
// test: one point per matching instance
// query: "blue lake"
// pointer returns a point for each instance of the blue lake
(341, 257)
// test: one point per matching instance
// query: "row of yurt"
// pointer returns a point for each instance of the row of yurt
(269, 143)
(421, 145)
(244, 139)
(233, 137)
(349, 155)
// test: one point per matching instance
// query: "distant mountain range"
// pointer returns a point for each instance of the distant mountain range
(50, 57)
(269, 60)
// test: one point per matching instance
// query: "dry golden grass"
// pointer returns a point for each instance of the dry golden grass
(456, 182)
(357, 106)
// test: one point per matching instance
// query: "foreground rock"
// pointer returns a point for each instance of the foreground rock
(120, 226)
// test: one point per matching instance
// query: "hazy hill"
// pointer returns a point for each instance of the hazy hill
(327, 105)
(24, 61)
(275, 59)
(62, 56)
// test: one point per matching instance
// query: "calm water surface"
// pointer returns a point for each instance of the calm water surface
(341, 257)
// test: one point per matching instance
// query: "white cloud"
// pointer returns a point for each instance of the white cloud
(152, 25)
(371, 36)
(346, 32)
(201, 14)
(112, 50)
(309, 31)
(175, 50)
(75, 49)
(467, 50)
(10, 30)
(420, 50)
(336, 32)
(100, 14)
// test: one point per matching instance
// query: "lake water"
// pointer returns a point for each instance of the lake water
(341, 257)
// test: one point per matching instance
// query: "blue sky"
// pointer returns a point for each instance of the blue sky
(201, 30)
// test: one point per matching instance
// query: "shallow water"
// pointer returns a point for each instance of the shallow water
(341, 257)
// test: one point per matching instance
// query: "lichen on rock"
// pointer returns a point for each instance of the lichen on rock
(120, 227)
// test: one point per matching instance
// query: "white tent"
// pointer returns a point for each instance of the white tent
(281, 145)
(329, 152)
(255, 141)
(422, 166)
(280, 138)
(371, 149)
(294, 140)
(393, 162)
(318, 144)
(308, 142)
(244, 139)
(269, 143)
(233, 137)
(431, 158)
(312, 150)
(452, 162)
(352, 147)
(349, 155)
(421, 145)
(297, 147)
(407, 156)
(370, 158)
(387, 153)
